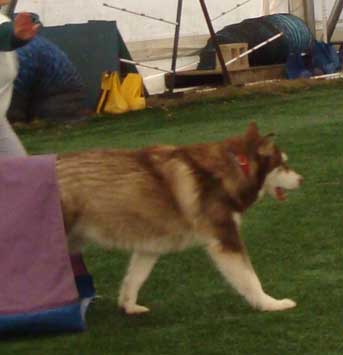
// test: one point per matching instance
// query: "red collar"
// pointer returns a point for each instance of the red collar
(243, 163)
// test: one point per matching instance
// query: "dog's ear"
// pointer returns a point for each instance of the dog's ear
(251, 134)
(266, 145)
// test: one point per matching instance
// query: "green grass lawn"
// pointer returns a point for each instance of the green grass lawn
(295, 246)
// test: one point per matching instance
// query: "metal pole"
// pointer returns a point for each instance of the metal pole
(8, 10)
(226, 76)
(230, 10)
(138, 14)
(324, 22)
(310, 16)
(176, 44)
(334, 16)
(123, 60)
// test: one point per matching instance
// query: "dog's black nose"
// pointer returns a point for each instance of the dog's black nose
(301, 180)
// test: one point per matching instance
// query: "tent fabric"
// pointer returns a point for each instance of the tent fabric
(61, 12)
(38, 288)
(56, 13)
(93, 48)
(295, 7)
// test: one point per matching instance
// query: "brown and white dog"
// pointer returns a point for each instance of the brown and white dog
(167, 198)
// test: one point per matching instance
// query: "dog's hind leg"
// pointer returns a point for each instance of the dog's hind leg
(230, 257)
(138, 271)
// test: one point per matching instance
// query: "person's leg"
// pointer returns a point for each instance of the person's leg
(9, 142)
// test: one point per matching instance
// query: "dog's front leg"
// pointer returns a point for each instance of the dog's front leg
(230, 257)
(138, 271)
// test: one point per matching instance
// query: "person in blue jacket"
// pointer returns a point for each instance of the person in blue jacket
(12, 35)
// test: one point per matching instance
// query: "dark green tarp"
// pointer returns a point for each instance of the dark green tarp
(54, 61)
(296, 38)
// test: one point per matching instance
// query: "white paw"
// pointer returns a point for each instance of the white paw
(134, 309)
(278, 305)
(121, 300)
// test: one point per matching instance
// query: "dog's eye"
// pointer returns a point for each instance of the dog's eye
(283, 168)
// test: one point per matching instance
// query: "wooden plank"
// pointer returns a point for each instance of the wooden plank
(214, 77)
(260, 73)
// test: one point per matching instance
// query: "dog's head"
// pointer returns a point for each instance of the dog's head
(272, 169)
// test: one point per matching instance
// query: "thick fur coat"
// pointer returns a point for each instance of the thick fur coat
(166, 198)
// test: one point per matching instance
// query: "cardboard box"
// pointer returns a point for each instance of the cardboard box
(231, 51)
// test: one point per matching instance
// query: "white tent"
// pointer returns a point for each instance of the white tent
(136, 28)
(150, 40)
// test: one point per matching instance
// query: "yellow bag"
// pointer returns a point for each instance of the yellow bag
(115, 102)
(132, 91)
(111, 100)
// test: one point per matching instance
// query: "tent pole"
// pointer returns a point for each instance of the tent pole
(309, 16)
(8, 10)
(324, 23)
(176, 45)
(333, 18)
(225, 72)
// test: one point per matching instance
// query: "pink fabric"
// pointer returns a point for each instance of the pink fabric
(35, 269)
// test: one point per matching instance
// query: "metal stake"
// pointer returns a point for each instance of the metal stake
(176, 44)
(333, 18)
(225, 72)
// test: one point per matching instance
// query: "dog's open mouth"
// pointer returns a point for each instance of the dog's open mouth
(280, 194)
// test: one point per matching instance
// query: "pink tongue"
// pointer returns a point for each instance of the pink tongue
(280, 194)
